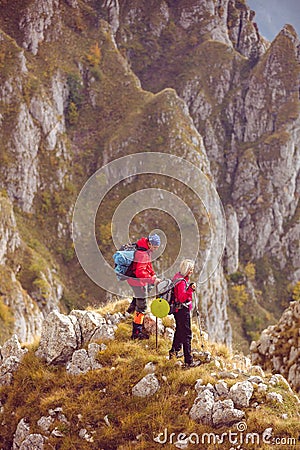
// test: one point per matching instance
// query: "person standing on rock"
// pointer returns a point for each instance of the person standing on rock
(144, 276)
(183, 291)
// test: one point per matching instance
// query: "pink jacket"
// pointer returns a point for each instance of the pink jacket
(183, 292)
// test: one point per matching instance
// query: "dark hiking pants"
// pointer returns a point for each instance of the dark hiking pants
(183, 334)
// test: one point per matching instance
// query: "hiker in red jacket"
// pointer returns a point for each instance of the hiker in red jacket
(144, 276)
(183, 296)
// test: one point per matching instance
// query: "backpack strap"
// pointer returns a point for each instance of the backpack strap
(182, 304)
(141, 249)
(178, 281)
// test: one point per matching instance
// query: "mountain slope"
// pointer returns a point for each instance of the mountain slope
(245, 104)
(189, 78)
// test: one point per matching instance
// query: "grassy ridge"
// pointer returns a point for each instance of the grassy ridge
(101, 401)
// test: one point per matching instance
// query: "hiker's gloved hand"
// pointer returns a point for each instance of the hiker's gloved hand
(193, 286)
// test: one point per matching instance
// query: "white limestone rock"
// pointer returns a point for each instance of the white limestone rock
(146, 387)
(240, 393)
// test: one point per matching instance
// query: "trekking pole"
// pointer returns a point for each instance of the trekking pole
(199, 323)
(156, 323)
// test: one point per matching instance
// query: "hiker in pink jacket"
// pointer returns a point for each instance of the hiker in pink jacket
(183, 297)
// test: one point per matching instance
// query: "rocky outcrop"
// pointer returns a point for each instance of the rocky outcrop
(229, 22)
(23, 178)
(278, 347)
(27, 315)
(47, 425)
(38, 124)
(11, 355)
(243, 31)
(10, 238)
(223, 100)
(218, 405)
(42, 123)
(146, 386)
(110, 11)
(230, 399)
(36, 20)
(84, 360)
(263, 175)
(273, 192)
(62, 335)
(26, 309)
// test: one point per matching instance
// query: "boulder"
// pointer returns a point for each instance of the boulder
(150, 324)
(89, 322)
(146, 387)
(275, 397)
(150, 367)
(202, 408)
(62, 335)
(267, 351)
(83, 361)
(222, 388)
(240, 393)
(114, 319)
(33, 442)
(12, 347)
(80, 363)
(103, 332)
(93, 350)
(45, 423)
(211, 412)
(58, 340)
(11, 356)
(22, 431)
(9, 366)
(225, 414)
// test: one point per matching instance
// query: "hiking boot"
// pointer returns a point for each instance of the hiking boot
(174, 354)
(139, 336)
(191, 364)
(137, 332)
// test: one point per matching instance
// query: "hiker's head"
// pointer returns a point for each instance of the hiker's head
(186, 267)
(154, 241)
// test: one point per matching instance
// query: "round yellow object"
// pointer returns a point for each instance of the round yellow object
(160, 307)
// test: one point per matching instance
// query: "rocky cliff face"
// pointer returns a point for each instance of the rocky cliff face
(213, 91)
(23, 311)
(278, 350)
(246, 107)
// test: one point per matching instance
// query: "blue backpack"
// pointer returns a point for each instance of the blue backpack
(123, 259)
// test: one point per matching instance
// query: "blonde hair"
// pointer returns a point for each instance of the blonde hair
(185, 266)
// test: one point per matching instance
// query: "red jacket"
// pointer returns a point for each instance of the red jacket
(142, 265)
(183, 292)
